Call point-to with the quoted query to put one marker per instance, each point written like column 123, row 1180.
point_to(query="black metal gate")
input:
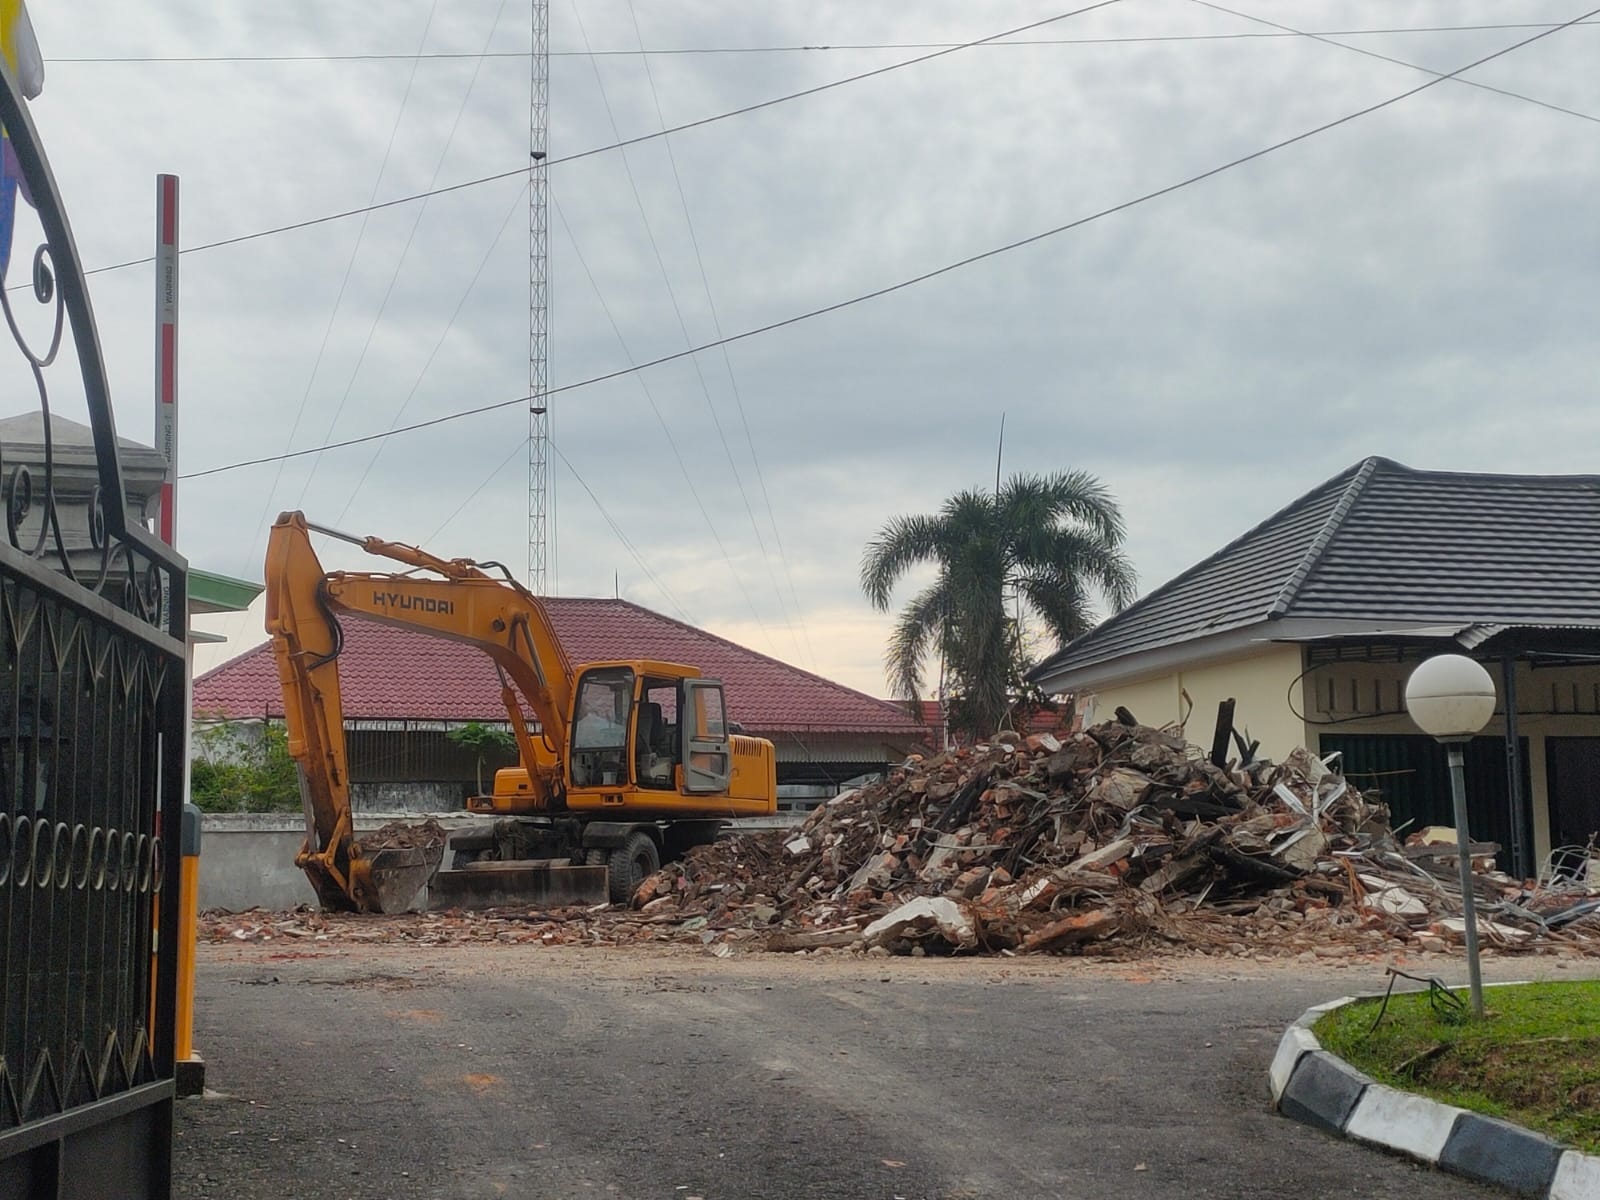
column 92, row 683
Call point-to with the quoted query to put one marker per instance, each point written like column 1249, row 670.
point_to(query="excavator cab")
column 648, row 726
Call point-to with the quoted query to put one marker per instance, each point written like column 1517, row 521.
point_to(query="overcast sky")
column 1419, row 283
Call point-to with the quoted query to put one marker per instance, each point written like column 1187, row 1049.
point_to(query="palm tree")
column 1053, row 541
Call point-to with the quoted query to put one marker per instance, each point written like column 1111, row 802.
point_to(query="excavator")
column 624, row 764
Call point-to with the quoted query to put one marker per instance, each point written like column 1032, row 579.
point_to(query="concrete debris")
column 925, row 914
column 1120, row 840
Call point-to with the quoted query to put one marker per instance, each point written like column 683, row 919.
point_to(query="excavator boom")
column 672, row 776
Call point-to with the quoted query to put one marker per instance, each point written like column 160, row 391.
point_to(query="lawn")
column 1533, row 1059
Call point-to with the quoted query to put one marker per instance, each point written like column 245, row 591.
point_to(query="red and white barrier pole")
column 167, row 349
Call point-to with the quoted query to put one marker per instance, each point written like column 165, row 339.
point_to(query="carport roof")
column 389, row 673
column 1380, row 542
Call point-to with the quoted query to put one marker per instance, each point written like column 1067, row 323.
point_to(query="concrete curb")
column 1315, row 1087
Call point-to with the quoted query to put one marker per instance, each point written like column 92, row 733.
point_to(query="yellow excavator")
column 623, row 763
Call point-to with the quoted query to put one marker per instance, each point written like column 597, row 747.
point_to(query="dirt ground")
column 519, row 1070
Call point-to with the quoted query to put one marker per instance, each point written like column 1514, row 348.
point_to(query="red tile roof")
column 387, row 673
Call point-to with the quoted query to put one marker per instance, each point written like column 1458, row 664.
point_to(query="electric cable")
column 622, row 537
column 809, row 47
column 683, row 325
column 913, row 281
column 595, row 150
column 733, row 382
column 666, row 429
column 399, row 266
column 338, row 300
column 455, row 315
column 1327, row 40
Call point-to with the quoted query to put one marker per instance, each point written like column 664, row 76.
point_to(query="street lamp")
column 1451, row 697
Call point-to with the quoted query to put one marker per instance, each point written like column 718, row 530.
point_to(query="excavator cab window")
column 600, row 728
column 655, row 753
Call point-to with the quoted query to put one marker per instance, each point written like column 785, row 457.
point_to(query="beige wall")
column 1259, row 682
column 1369, row 698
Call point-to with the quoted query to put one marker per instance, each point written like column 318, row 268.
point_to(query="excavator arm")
column 457, row 600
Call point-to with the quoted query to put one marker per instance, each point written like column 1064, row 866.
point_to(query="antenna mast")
column 538, row 301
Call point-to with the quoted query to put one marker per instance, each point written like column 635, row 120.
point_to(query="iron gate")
column 92, row 680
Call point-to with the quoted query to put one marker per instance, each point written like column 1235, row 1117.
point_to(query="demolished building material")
column 1122, row 839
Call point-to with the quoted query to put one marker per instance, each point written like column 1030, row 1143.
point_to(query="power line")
column 590, row 153
column 727, row 364
column 683, row 327
column 1327, row 40
column 622, row 537
column 957, row 265
column 801, row 48
column 394, row 278
column 338, row 300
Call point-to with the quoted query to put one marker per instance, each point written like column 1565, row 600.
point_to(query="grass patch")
column 1533, row 1059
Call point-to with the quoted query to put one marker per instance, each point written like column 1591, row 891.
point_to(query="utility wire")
column 627, row 544
column 957, row 265
column 666, row 429
column 727, row 364
column 394, row 276
column 338, row 300
column 820, row 47
column 455, row 315
column 433, row 537
column 622, row 537
column 683, row 327
column 592, row 151
column 1327, row 40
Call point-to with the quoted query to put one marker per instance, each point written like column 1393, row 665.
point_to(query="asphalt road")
column 392, row 1073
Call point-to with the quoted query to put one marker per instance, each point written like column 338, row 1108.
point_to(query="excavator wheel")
column 630, row 864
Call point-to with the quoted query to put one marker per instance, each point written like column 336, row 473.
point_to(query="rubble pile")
column 1122, row 840
column 404, row 835
column 1124, row 834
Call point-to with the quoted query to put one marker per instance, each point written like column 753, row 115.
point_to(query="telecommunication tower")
column 538, row 302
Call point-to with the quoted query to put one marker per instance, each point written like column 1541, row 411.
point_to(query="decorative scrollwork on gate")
column 92, row 721
column 53, row 501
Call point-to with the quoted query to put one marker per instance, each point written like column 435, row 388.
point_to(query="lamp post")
column 1451, row 698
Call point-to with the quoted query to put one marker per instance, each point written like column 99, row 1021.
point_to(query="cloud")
column 1417, row 283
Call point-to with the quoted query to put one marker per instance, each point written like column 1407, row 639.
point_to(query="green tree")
column 1046, row 545
column 238, row 767
column 483, row 740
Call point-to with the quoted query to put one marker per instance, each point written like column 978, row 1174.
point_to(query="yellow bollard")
column 189, row 1067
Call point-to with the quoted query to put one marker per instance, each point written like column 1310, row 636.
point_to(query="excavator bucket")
column 395, row 876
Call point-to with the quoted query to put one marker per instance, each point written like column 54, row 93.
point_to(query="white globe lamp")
column 1451, row 697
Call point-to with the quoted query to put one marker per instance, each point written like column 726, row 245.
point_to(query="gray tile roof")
column 1383, row 542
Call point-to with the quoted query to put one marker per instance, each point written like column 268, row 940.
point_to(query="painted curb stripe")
column 1577, row 1178
column 1400, row 1121
column 1296, row 1041
column 1316, row 1086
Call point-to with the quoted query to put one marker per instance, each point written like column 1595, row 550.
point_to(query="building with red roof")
column 403, row 691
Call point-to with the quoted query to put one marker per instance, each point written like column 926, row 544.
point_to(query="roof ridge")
column 1319, row 544
column 1117, row 620
column 729, row 642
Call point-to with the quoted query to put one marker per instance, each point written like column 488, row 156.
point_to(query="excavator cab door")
column 706, row 748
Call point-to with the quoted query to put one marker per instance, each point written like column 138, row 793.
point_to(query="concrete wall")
column 411, row 797
column 247, row 859
column 1259, row 682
